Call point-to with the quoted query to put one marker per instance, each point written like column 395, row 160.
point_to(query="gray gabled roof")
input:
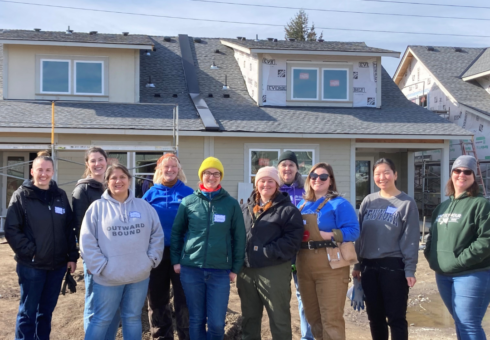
column 448, row 66
column 397, row 117
column 75, row 37
column 337, row 46
column 482, row 64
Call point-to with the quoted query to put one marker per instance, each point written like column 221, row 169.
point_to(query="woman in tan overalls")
column 329, row 221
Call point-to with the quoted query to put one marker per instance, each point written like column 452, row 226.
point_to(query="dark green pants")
column 268, row 287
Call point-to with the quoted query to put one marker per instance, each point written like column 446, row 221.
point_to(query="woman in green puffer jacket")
column 208, row 249
column 458, row 250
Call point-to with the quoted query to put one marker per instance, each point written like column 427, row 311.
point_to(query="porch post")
column 444, row 169
column 411, row 174
column 352, row 197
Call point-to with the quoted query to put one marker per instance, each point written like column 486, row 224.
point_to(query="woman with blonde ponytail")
column 274, row 230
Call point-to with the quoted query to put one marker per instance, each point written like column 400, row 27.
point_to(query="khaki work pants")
column 323, row 291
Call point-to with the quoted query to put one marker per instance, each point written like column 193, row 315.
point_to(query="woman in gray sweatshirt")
column 388, row 252
column 121, row 240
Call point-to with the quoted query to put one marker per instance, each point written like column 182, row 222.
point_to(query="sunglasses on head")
column 323, row 177
column 466, row 172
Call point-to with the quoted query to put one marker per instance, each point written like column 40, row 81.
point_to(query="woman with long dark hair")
column 458, row 250
column 39, row 229
column 89, row 189
column 388, row 253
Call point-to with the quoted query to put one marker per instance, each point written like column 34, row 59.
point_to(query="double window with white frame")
column 82, row 76
column 327, row 83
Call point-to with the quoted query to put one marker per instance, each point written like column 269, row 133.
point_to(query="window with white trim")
column 304, row 83
column 335, row 83
column 89, row 77
column 260, row 158
column 55, row 76
column 71, row 76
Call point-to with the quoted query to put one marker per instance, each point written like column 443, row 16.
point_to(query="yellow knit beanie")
column 211, row 162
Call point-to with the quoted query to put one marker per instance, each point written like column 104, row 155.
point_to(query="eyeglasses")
column 323, row 177
column 212, row 174
column 466, row 172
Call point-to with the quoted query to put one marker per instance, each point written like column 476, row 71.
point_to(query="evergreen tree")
column 299, row 29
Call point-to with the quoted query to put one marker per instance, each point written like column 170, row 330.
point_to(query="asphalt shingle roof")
column 448, row 67
column 398, row 116
column 338, row 46
column 79, row 37
column 482, row 64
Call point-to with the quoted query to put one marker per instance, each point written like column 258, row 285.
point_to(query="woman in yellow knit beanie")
column 208, row 249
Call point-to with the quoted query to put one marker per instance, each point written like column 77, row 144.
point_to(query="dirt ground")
column 427, row 316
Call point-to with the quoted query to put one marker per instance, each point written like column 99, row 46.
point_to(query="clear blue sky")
column 20, row 16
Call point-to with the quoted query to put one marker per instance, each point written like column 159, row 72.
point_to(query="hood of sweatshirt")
column 123, row 207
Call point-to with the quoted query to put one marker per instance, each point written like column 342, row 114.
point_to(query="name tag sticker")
column 256, row 248
column 134, row 214
column 219, row 218
column 59, row 210
column 390, row 210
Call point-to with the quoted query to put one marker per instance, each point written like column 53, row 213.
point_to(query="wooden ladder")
column 472, row 152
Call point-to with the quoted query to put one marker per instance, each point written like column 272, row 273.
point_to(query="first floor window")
column 89, row 77
column 145, row 164
column 55, row 76
column 363, row 180
column 260, row 158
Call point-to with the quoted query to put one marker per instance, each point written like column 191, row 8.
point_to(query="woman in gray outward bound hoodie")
column 121, row 240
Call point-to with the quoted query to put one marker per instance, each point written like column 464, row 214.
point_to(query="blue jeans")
column 206, row 293
column 129, row 299
column 88, row 312
column 39, row 291
column 467, row 298
column 305, row 326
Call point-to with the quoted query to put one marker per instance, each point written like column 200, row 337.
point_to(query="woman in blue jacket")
column 165, row 196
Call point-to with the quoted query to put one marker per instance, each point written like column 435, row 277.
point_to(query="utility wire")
column 242, row 22
column 426, row 4
column 340, row 11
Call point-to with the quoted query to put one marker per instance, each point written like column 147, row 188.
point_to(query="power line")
column 340, row 11
column 242, row 22
column 426, row 4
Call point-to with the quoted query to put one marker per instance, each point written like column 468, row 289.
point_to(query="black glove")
column 70, row 282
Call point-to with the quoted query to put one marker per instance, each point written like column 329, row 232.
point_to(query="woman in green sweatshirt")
column 458, row 250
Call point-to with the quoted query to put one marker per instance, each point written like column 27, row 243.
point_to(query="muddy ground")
column 427, row 316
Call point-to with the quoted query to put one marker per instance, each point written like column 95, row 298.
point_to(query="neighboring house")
column 454, row 82
column 327, row 101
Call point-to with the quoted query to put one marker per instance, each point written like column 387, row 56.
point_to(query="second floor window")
column 72, row 77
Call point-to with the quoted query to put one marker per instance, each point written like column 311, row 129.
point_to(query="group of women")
column 200, row 241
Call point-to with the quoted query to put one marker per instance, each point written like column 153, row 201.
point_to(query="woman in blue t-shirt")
column 323, row 289
column 165, row 196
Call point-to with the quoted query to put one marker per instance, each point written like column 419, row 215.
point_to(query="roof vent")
column 270, row 39
column 430, row 48
column 275, row 40
column 93, row 32
column 175, row 95
column 213, row 66
column 125, row 34
column 321, row 40
column 239, row 38
column 243, row 38
column 226, row 95
column 69, row 31
column 157, row 95
column 226, row 87
column 37, row 29
column 458, row 49
column 216, row 51
column 257, row 37
column 198, row 40
column 149, row 84
column 292, row 39
column 167, row 39
column 210, row 95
